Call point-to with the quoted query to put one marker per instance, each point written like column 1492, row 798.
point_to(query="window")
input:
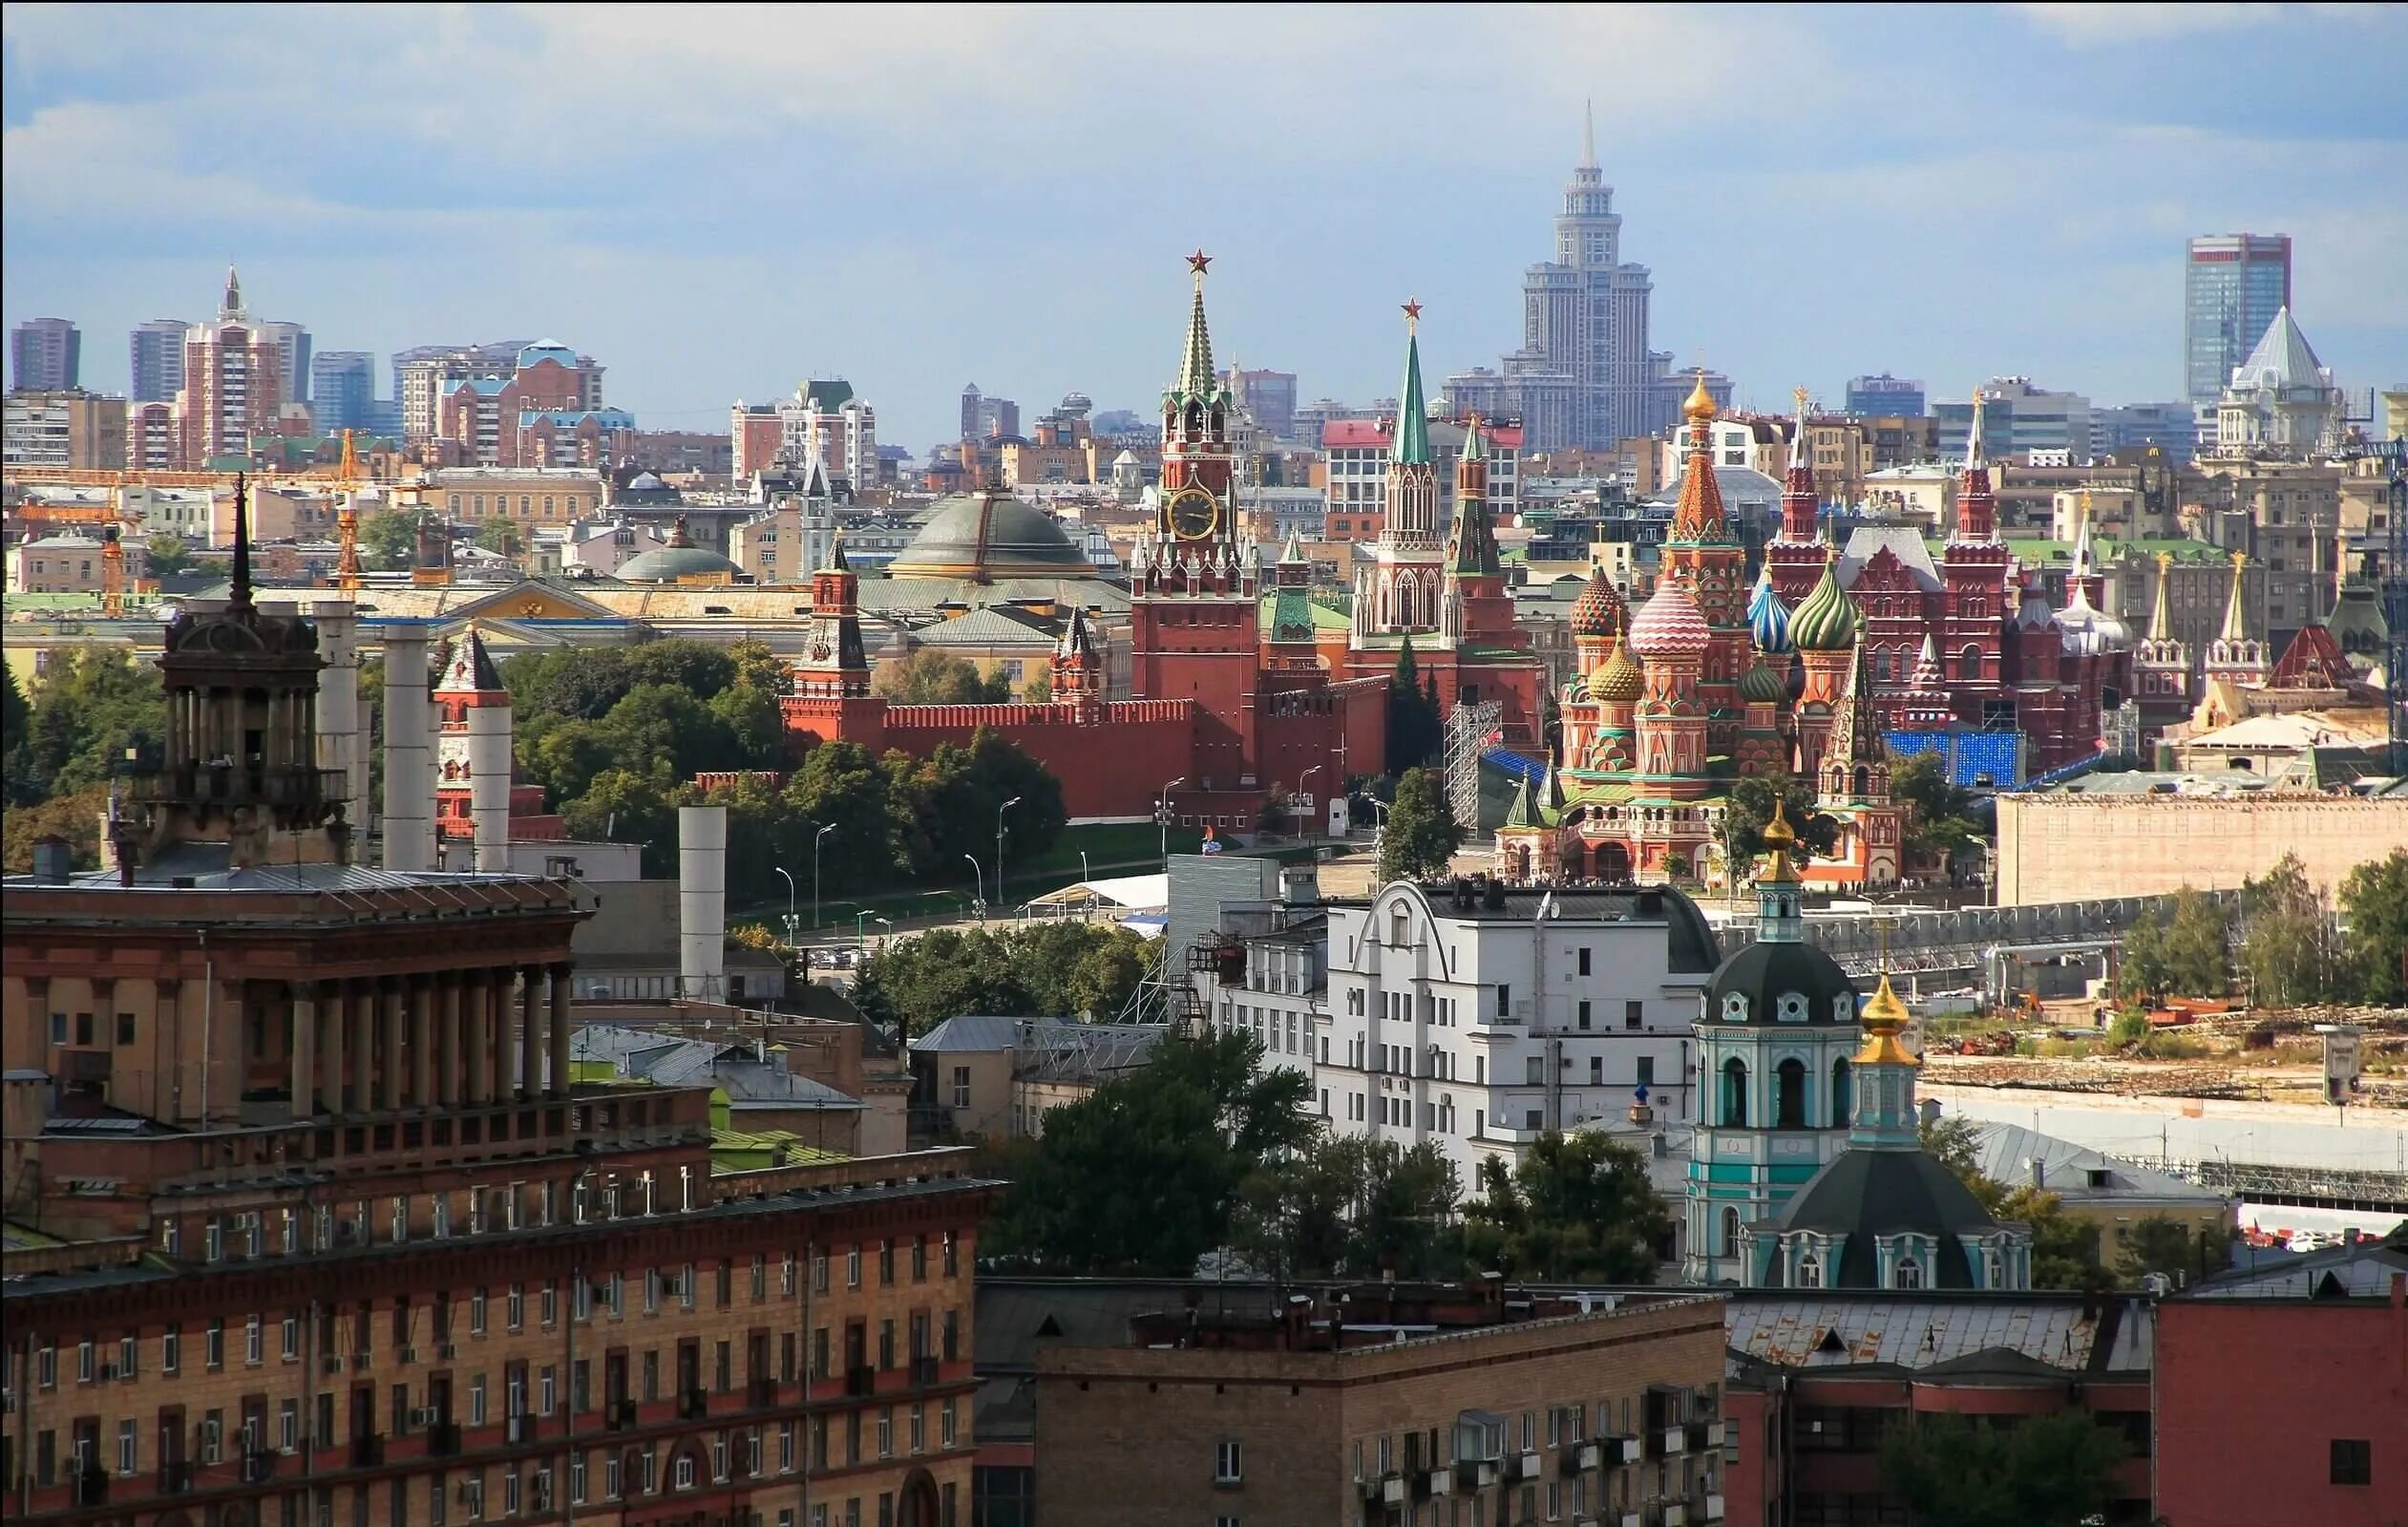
column 1909, row 1273
column 289, row 1344
column 1504, row 1001
column 1646, row 1070
column 852, row 1266
column 1584, row 962
column 1583, row 1008
column 252, row 1346
column 171, row 1347
column 961, row 1087
column 1810, row 1271
column 1228, row 1463
column 1843, row 1093
column 2353, row 1461
column 945, row 1425
column 1735, row 1092
column 1789, row 1096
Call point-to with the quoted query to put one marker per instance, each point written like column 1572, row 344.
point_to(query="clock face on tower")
column 1195, row 513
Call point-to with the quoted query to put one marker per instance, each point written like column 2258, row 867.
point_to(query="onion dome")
column 1701, row 404
column 1600, row 609
column 2087, row 630
column 1669, row 624
column 1883, row 1016
column 1767, row 617
column 1620, row 678
column 1760, row 685
column 1826, row 621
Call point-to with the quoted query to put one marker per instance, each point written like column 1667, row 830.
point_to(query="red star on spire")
column 1413, row 309
column 1198, row 261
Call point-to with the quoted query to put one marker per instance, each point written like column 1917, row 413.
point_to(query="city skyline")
column 1041, row 271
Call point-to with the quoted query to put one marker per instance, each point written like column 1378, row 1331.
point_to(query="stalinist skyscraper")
column 1584, row 315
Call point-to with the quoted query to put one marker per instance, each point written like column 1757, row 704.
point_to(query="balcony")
column 443, row 1439
column 761, row 1394
column 259, row 1466
column 859, row 1380
column 1705, row 1436
column 1522, row 1466
column 923, row 1372
column 692, row 1405
column 367, row 1452
column 1711, row 1513
column 248, row 784
column 1676, row 1514
column 174, row 1476
column 619, row 1415
column 1668, row 1442
column 90, row 1487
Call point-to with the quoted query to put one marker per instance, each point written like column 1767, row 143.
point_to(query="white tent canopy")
column 1128, row 893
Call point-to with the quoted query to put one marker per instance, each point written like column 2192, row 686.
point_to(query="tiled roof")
column 1920, row 1330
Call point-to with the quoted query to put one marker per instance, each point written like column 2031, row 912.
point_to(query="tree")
column 2168, row 1246
column 1422, row 835
column 74, row 818
column 624, row 807
column 389, row 539
column 928, row 675
column 2374, row 909
column 1574, row 1208
column 2197, row 943
column 1751, row 807
column 2286, row 949
column 2045, row 1470
column 1941, row 810
column 502, row 536
column 1141, row 1177
column 1038, row 687
column 1414, row 731
column 2064, row 1247
column 167, row 554
column 88, row 708
column 1350, row 1206
column 1054, row 969
column 2147, row 970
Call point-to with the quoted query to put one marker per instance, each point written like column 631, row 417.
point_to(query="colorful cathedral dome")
column 1760, row 685
column 1600, row 609
column 1826, row 621
column 1669, row 624
column 1620, row 678
column 1767, row 617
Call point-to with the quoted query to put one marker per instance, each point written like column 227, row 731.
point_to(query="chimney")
column 409, row 817
column 2039, row 1171
column 489, row 773
column 340, row 743
column 52, row 860
column 701, row 901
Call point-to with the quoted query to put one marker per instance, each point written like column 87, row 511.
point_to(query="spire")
column 1076, row 640
column 1474, row 551
column 2237, row 607
column 2085, row 561
column 1800, row 510
column 1589, row 135
column 1779, row 918
column 231, row 307
column 1976, row 518
column 1699, row 514
column 1293, row 553
column 2162, row 615
column 1524, row 811
column 1801, row 457
column 1974, row 461
column 836, row 560
column 1196, row 366
column 1411, row 445
column 240, row 598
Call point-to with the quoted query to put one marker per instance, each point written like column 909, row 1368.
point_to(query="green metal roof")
column 1412, row 416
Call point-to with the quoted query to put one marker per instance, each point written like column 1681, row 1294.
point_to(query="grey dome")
column 1764, row 972
column 667, row 564
column 1865, row 1193
column 989, row 534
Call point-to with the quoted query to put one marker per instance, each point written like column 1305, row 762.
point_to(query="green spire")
column 1412, row 446
column 1475, row 446
column 1524, row 812
column 1195, row 368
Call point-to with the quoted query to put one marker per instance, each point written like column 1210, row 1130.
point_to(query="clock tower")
column 1194, row 614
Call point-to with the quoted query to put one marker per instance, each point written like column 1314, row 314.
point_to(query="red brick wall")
column 2251, row 1394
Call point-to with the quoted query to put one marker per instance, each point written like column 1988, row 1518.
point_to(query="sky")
column 718, row 201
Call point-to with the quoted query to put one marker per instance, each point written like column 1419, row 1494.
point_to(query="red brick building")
column 2283, row 1397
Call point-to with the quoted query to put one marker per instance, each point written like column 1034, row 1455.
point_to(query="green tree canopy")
column 1141, row 1177
column 928, row 675
column 389, row 539
column 167, row 554
column 2287, row 946
column 1574, row 1208
column 2178, row 949
column 505, row 537
column 2043, row 1471
column 1420, row 834
column 1054, row 970
column 2064, row 1247
column 2374, row 907
column 1751, row 808
column 1414, row 730
column 90, row 706
column 2161, row 1245
column 1350, row 1206
column 1942, row 812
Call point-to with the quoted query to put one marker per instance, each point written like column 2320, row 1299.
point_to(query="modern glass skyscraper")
column 157, row 349
column 2236, row 283
column 342, row 388
column 1884, row 398
column 45, row 355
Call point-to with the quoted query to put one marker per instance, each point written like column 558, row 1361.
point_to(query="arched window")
column 1843, row 1093
column 1909, row 1273
column 1863, row 780
column 1790, row 1108
column 1735, row 1092
column 1809, row 1270
column 1969, row 663
column 1194, row 420
column 1730, row 1231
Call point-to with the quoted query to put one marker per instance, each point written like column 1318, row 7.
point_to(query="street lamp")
column 999, row 846
column 814, row 871
column 1301, row 820
column 978, row 879
column 790, row 901
column 1379, row 821
column 1162, row 809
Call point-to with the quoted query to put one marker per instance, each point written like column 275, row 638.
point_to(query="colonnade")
column 459, row 1038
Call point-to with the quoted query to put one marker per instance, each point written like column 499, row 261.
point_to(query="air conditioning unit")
column 108, row 1372
column 1676, row 1514
column 448, row 1352
column 1442, row 1481
column 1713, row 1510
column 333, row 1363
column 423, row 1415
column 409, row 1357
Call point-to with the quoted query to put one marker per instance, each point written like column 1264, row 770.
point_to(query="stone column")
column 397, row 995
column 559, row 1073
column 423, row 996
column 447, row 1060
column 362, row 996
column 477, row 1034
column 529, row 1030
column 331, row 1070
column 502, row 1010
column 305, row 1052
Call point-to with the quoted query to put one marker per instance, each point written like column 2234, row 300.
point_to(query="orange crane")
column 346, row 519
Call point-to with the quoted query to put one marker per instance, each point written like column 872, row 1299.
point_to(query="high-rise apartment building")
column 68, row 428
column 1885, row 397
column 1268, row 397
column 1584, row 313
column 44, row 354
column 342, row 389
column 157, row 351
column 292, row 359
column 2017, row 421
column 2235, row 284
column 983, row 418
column 423, row 375
column 233, row 381
column 821, row 421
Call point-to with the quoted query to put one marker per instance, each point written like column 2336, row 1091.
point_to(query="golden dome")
column 1883, row 1017
column 1700, row 405
column 1778, row 834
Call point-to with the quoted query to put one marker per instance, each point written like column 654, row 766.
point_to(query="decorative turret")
column 1621, row 679
column 1768, row 617
column 1924, row 705
column 836, row 665
column 1412, row 486
column 1780, row 917
column 2238, row 654
column 1977, row 511
column 1077, row 673
column 1699, row 515
column 1474, row 606
column 1599, row 613
column 1885, row 1071
column 1672, row 638
column 1855, row 765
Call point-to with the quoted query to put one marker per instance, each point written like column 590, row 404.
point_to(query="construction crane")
column 111, row 570
column 346, row 519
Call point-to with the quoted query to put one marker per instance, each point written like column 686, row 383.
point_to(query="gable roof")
column 1902, row 541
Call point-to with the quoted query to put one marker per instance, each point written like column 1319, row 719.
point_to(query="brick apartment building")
column 311, row 1224
column 1388, row 1405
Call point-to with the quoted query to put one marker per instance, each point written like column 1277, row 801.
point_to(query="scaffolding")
column 1470, row 730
